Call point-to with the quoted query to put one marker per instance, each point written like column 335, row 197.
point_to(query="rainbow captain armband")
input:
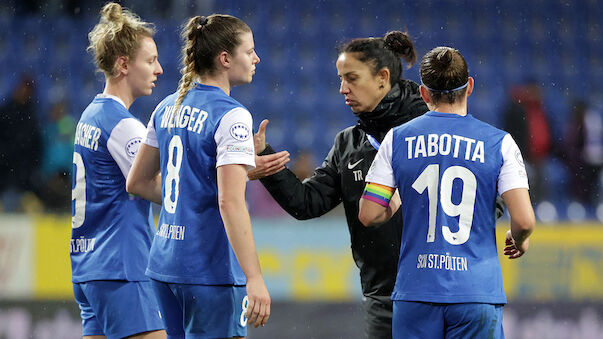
column 379, row 194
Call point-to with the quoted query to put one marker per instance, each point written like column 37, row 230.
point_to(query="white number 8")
column 464, row 210
column 244, row 306
column 173, row 174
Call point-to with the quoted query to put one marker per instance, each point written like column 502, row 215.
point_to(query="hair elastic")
column 445, row 90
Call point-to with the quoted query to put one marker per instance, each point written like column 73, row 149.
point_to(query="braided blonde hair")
column 204, row 38
column 116, row 34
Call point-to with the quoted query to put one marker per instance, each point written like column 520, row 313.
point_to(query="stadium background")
column 556, row 291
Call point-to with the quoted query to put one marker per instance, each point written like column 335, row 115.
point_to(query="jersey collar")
column 110, row 96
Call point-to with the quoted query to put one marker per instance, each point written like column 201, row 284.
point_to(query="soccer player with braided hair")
column 111, row 231
column 194, row 162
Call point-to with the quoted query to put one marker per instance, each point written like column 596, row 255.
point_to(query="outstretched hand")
column 259, row 139
column 266, row 165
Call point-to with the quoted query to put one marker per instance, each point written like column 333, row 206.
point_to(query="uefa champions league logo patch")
column 240, row 131
column 132, row 146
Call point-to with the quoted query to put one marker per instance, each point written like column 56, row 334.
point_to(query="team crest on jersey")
column 240, row 131
column 132, row 146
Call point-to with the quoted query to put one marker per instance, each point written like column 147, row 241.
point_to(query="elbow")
column 365, row 219
column 131, row 186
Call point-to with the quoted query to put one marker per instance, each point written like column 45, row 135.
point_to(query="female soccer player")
column 111, row 231
column 194, row 162
column 449, row 168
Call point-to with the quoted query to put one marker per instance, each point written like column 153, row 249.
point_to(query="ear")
column 425, row 94
column 122, row 65
column 470, row 86
column 384, row 75
column 224, row 59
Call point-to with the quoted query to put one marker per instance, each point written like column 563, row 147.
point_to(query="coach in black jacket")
column 370, row 72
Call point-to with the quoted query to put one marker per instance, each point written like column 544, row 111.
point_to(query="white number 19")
column 429, row 179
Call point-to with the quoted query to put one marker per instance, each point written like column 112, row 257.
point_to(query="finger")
column 262, row 128
column 267, row 314
column 262, row 312
column 249, row 315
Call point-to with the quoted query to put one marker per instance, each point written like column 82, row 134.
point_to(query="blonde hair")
column 117, row 34
column 203, row 39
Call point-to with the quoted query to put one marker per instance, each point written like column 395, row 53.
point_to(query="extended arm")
column 522, row 222
column 314, row 197
column 231, row 200
column 144, row 178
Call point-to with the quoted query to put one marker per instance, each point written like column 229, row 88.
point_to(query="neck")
column 119, row 88
column 460, row 109
column 221, row 81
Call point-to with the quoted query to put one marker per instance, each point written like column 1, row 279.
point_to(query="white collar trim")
column 103, row 95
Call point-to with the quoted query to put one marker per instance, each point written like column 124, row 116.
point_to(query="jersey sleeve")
column 151, row 135
column 124, row 142
column 512, row 172
column 381, row 171
column 234, row 139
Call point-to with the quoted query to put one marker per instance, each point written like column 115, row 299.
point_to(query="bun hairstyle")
column 204, row 38
column 444, row 73
column 117, row 34
column 384, row 52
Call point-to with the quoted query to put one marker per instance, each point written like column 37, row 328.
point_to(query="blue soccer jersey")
column 212, row 129
column 448, row 170
column 111, row 231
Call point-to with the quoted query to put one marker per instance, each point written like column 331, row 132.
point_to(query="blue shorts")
column 434, row 320
column 202, row 311
column 117, row 308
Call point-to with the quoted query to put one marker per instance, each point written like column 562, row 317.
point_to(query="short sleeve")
column 381, row 171
column 124, row 142
column 234, row 139
column 513, row 172
column 151, row 135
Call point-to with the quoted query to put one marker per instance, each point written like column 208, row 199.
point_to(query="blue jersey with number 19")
column 111, row 231
column 448, row 169
column 211, row 129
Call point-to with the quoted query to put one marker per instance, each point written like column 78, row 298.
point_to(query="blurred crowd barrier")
column 555, row 291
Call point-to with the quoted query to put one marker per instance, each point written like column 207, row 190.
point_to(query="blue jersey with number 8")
column 211, row 129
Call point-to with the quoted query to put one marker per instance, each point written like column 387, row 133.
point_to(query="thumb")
column 262, row 128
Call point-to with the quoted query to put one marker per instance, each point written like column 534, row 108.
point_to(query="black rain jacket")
column 341, row 178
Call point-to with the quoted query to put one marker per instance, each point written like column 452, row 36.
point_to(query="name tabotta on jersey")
column 418, row 146
column 442, row 262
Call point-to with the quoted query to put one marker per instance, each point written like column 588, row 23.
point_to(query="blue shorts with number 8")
column 202, row 311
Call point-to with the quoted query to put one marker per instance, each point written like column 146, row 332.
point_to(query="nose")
column 257, row 58
column 158, row 69
column 343, row 88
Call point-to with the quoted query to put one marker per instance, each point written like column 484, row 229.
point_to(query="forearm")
column 144, row 178
column 519, row 233
column 312, row 198
column 238, row 229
